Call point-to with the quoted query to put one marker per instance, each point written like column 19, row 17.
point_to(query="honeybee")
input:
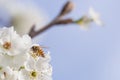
column 38, row 51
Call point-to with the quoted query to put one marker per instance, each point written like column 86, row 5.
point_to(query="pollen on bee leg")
column 7, row 45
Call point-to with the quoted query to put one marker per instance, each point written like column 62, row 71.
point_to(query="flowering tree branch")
column 83, row 21
column 67, row 8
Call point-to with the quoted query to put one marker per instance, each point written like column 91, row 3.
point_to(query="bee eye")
column 34, row 48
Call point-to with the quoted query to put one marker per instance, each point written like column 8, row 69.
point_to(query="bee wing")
column 44, row 46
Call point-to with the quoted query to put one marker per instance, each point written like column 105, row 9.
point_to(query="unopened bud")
column 68, row 7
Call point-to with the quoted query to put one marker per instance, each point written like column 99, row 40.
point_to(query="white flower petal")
column 95, row 16
column 8, row 74
column 14, row 62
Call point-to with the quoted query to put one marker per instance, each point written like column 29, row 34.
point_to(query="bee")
column 38, row 51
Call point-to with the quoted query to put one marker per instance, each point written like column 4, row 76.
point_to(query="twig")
column 67, row 8
column 66, row 21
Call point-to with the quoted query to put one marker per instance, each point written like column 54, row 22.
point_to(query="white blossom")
column 37, row 69
column 95, row 16
column 86, row 20
column 11, row 43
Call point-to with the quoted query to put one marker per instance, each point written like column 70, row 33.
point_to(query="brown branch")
column 34, row 33
column 65, row 21
column 67, row 8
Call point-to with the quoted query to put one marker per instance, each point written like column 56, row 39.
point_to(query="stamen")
column 5, row 74
column 33, row 74
column 7, row 45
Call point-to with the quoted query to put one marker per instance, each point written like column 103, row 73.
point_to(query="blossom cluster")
column 22, row 60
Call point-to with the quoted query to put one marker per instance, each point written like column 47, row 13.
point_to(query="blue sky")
column 84, row 55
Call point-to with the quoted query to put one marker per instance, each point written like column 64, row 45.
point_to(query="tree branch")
column 67, row 8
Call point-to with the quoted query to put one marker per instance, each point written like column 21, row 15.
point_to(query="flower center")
column 7, row 45
column 34, row 74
